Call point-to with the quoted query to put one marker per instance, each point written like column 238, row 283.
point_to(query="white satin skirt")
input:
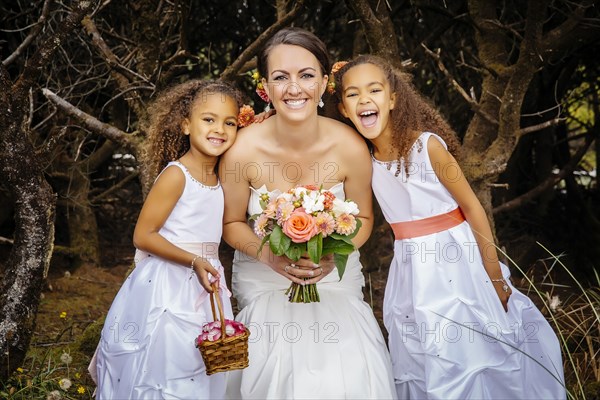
column 147, row 348
column 333, row 349
column 449, row 335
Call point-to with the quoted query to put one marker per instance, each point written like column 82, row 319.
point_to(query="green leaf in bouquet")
column 278, row 241
column 263, row 204
column 294, row 252
column 343, row 238
column 337, row 247
column 314, row 248
column 253, row 217
column 340, row 263
column 348, row 238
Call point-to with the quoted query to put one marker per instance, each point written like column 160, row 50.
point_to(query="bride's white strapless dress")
column 328, row 350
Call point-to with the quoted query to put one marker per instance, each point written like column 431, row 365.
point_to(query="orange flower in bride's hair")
column 260, row 89
column 246, row 116
column 262, row 93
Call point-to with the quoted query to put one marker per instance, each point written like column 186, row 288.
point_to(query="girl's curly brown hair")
column 166, row 141
column 411, row 112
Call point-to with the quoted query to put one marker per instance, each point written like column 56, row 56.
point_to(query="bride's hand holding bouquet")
column 307, row 222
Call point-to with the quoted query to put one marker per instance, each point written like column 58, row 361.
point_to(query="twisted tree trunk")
column 22, row 170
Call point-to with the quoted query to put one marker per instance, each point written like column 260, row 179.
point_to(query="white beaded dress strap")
column 191, row 177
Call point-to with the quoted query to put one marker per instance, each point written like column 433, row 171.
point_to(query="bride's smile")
column 294, row 82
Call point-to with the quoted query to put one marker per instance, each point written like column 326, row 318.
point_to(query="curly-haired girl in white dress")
column 457, row 327
column 147, row 346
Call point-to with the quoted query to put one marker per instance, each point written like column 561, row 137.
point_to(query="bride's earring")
column 321, row 104
column 268, row 107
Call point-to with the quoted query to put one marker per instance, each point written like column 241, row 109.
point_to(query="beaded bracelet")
column 194, row 260
column 503, row 281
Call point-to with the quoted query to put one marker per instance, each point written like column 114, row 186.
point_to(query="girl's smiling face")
column 367, row 100
column 294, row 81
column 212, row 126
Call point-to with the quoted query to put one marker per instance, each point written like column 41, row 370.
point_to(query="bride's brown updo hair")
column 295, row 37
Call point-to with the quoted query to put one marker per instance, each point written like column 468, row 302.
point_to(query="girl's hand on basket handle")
column 203, row 268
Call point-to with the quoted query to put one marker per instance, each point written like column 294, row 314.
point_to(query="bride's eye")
column 279, row 77
column 308, row 76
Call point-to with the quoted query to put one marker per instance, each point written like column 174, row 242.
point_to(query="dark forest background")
column 518, row 80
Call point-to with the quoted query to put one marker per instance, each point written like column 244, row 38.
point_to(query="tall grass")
column 574, row 312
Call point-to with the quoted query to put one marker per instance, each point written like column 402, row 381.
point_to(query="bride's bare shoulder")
column 253, row 134
column 340, row 132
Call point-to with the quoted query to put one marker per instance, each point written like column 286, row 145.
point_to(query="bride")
column 330, row 349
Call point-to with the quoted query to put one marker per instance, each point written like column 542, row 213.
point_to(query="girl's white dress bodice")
column 333, row 349
column 449, row 336
column 147, row 349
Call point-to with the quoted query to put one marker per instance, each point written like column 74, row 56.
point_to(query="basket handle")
column 213, row 295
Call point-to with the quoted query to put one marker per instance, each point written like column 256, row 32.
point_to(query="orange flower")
column 328, row 202
column 246, row 116
column 300, row 226
column 337, row 66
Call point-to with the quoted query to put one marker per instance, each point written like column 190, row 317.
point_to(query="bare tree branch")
column 548, row 183
column 539, row 127
column 251, row 50
column 281, row 7
column 472, row 102
column 560, row 40
column 4, row 240
column 379, row 29
column 106, row 130
column 34, row 32
column 123, row 76
column 116, row 187
column 42, row 57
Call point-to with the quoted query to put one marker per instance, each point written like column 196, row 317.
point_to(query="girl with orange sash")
column 457, row 327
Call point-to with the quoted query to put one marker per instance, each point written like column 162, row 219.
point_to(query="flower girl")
column 147, row 345
column 457, row 327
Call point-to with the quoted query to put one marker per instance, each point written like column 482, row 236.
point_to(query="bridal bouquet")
column 307, row 220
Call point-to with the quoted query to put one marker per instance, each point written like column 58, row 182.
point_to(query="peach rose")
column 300, row 226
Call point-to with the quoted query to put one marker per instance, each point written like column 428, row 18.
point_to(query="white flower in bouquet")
column 313, row 202
column 344, row 207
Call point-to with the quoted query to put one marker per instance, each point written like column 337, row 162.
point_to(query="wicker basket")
column 227, row 353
